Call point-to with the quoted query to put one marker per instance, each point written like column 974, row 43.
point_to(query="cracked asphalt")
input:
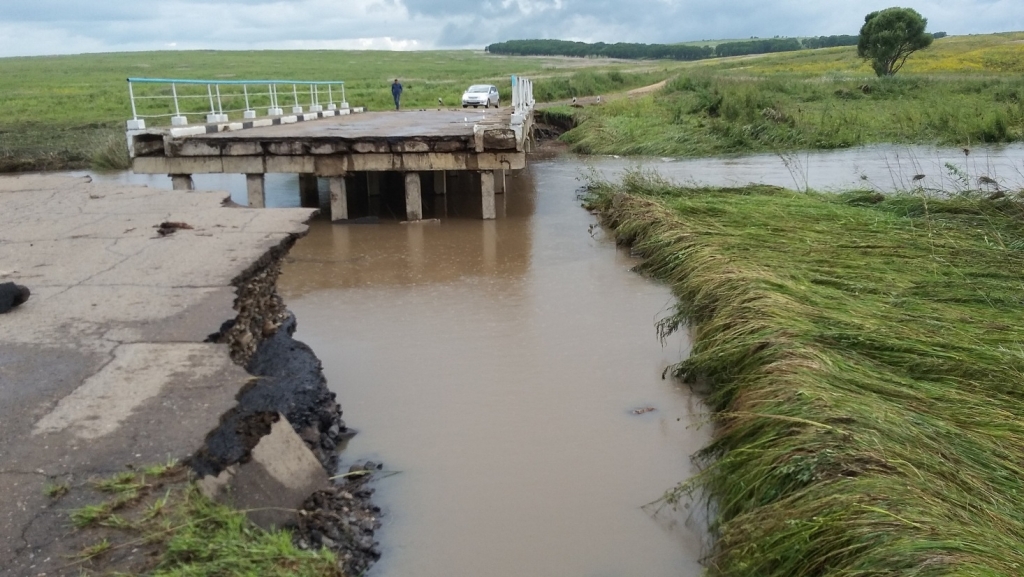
column 106, row 365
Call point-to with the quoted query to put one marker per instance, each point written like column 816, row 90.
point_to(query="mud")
column 12, row 295
column 343, row 519
column 288, row 379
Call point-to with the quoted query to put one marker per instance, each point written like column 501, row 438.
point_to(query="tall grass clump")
column 112, row 155
column 865, row 358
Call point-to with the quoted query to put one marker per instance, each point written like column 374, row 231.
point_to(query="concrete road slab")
column 105, row 365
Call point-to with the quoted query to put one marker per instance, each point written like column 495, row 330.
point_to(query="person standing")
column 396, row 91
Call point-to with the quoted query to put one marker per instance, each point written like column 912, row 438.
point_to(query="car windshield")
column 479, row 88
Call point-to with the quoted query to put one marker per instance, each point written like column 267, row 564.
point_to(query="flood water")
column 494, row 366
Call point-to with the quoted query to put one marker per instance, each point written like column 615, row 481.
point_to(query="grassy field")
column 864, row 356
column 962, row 91
column 59, row 110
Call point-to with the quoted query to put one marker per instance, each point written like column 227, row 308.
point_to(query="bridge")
column 361, row 153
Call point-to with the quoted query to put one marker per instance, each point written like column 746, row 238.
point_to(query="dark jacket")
column 396, row 89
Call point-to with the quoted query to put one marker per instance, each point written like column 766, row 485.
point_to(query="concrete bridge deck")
column 352, row 150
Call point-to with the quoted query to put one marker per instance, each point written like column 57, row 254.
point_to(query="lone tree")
column 890, row 36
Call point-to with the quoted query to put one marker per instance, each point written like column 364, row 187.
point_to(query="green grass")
column 185, row 533
column 865, row 359
column 963, row 91
column 60, row 110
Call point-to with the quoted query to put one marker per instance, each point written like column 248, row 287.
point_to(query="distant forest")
column 665, row 51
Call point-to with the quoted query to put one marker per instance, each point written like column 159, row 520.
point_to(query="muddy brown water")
column 495, row 366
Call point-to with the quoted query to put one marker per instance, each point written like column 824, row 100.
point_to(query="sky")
column 39, row 27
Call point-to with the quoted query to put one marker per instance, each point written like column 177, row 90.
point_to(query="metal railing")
column 522, row 95
column 177, row 99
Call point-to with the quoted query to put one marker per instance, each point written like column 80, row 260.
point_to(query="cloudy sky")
column 34, row 27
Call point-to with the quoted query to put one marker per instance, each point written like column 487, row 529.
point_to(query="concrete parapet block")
column 296, row 110
column 316, row 108
column 179, row 120
column 249, row 114
column 332, row 106
column 275, row 112
column 137, row 124
column 272, row 485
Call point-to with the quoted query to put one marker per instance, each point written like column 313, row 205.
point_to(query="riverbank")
column 963, row 91
column 154, row 334
column 862, row 357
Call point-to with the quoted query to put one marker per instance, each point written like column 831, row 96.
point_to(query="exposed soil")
column 343, row 519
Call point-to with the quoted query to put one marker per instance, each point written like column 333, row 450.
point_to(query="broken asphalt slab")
column 107, row 364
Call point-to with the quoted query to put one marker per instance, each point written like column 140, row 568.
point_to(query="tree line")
column 628, row 50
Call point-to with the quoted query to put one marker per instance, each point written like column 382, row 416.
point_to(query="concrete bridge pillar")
column 309, row 192
column 413, row 198
column 256, row 191
column 440, row 182
column 339, row 199
column 499, row 181
column 487, row 195
column 182, row 182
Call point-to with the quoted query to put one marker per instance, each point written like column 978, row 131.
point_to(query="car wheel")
column 464, row 106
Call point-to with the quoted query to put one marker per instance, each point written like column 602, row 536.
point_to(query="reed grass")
column 865, row 361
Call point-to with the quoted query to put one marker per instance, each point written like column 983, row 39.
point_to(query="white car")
column 480, row 95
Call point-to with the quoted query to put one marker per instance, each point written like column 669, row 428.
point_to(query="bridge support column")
column 413, row 198
column 309, row 192
column 339, row 199
column 256, row 190
column 440, row 182
column 499, row 181
column 182, row 182
column 487, row 195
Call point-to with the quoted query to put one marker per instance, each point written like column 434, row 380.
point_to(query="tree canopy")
column 890, row 36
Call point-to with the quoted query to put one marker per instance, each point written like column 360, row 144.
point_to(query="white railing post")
column 275, row 108
column 248, row 113
column 135, row 123
column 344, row 103
column 297, row 108
column 131, row 95
column 177, row 119
column 221, row 117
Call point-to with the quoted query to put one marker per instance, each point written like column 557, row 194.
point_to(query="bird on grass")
column 439, row 101
column 574, row 100
column 599, row 99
